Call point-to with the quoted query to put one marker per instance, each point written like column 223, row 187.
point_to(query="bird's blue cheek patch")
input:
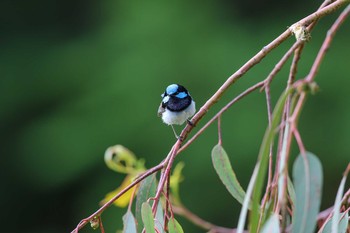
column 181, row 95
column 166, row 99
column 171, row 89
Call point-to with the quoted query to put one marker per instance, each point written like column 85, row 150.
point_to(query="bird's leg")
column 177, row 137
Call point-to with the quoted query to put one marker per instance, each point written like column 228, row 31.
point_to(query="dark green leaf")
column 308, row 178
column 224, row 169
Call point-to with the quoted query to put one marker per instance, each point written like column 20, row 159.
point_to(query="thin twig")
column 183, row 211
column 219, row 131
column 149, row 172
column 299, row 141
column 284, row 59
column 327, row 42
column 102, row 229
column 224, row 109
column 167, row 202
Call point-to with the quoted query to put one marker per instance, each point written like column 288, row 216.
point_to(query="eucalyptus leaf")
column 147, row 217
column 337, row 204
column 291, row 191
column 342, row 225
column 129, row 223
column 174, row 226
column 261, row 165
column 159, row 218
column 146, row 190
column 308, row 179
column 227, row 176
column 272, row 225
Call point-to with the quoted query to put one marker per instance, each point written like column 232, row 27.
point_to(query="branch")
column 149, row 172
column 167, row 163
column 184, row 212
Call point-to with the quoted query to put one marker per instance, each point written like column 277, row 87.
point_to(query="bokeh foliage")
column 79, row 76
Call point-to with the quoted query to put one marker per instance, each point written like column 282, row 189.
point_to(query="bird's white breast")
column 178, row 118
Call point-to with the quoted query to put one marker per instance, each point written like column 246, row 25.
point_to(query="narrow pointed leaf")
column 146, row 190
column 261, row 165
column 291, row 191
column 147, row 218
column 129, row 223
column 159, row 218
column 272, row 225
column 308, row 178
column 174, row 226
column 343, row 224
column 338, row 200
column 227, row 176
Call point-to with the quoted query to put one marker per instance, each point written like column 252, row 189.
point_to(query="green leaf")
column 174, row 226
column 282, row 168
column 227, row 176
column 342, row 225
column 120, row 159
column 272, row 225
column 338, row 201
column 261, row 166
column 147, row 217
column 291, row 191
column 245, row 206
column 175, row 181
column 308, row 178
column 159, row 218
column 129, row 223
column 147, row 189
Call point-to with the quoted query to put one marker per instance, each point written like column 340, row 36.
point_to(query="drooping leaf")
column 282, row 168
column 129, row 223
column 261, row 165
column 291, row 191
column 120, row 159
column 227, row 176
column 245, row 205
column 146, row 190
column 174, row 226
column 308, row 179
column 272, row 225
column 268, row 211
column 175, row 181
column 147, row 217
column 342, row 225
column 337, row 204
column 124, row 200
column 159, row 218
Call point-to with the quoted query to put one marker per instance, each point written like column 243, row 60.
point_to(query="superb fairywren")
column 177, row 106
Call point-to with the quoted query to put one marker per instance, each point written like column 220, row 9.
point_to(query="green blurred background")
column 79, row 76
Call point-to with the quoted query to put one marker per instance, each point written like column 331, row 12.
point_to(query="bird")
column 177, row 106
